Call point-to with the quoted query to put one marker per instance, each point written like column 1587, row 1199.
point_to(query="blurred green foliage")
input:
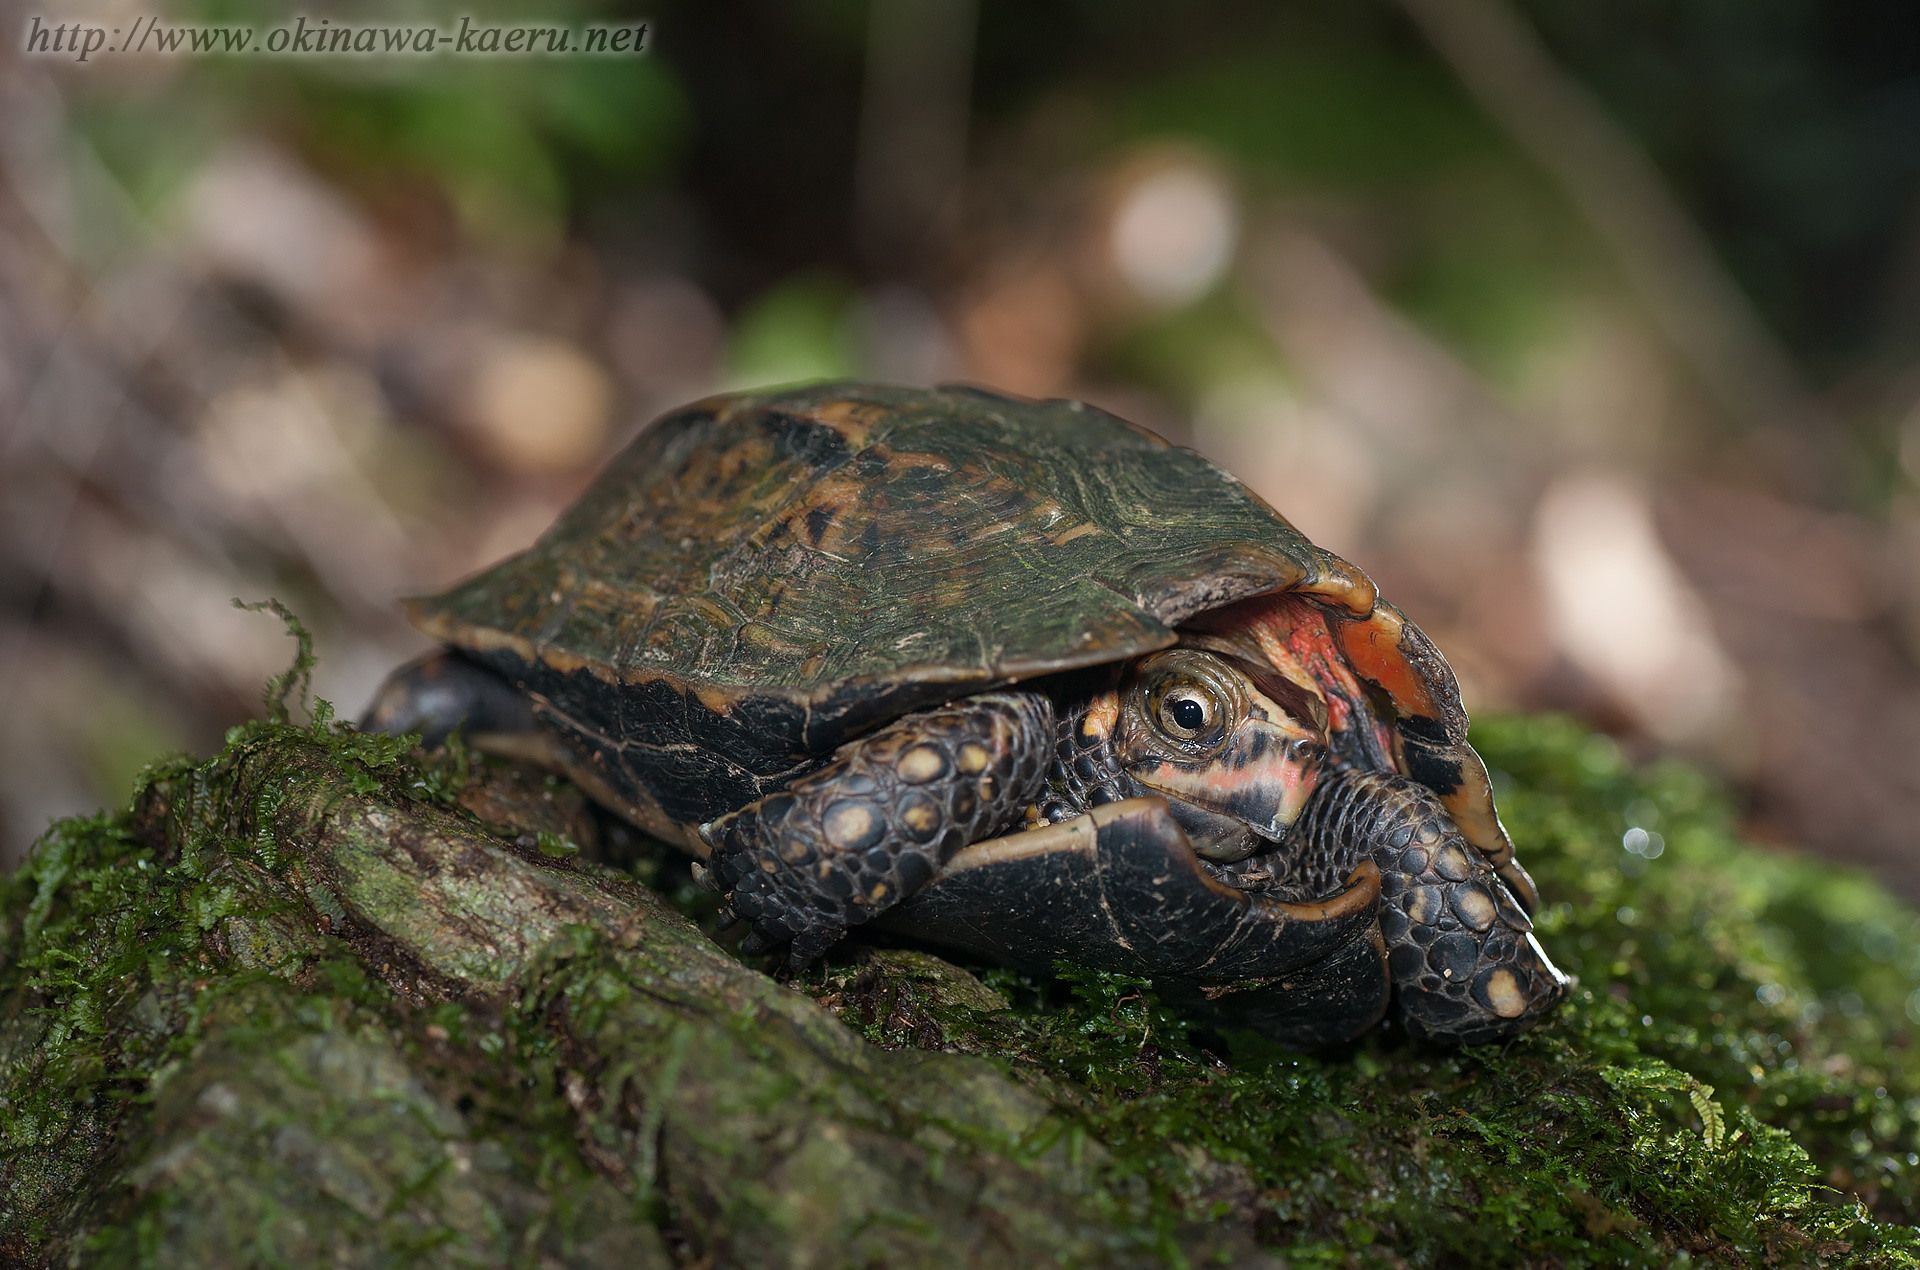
column 515, row 143
column 1376, row 142
column 796, row 330
column 1344, row 118
column 1791, row 130
column 1184, row 351
column 501, row 136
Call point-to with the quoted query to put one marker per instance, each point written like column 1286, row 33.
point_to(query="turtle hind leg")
column 1460, row 950
column 1327, row 1003
column 842, row 844
column 442, row 691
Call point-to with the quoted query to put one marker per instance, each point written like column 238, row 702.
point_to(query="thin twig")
column 1664, row 255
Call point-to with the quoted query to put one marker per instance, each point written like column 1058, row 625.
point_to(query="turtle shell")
column 758, row 578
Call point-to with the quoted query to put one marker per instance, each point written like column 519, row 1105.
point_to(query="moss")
column 297, row 1005
column 315, row 1000
column 1734, row 1081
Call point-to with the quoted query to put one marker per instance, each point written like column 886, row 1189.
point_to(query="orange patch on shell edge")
column 1373, row 650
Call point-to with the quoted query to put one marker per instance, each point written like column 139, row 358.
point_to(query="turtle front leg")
column 1461, row 952
column 842, row 844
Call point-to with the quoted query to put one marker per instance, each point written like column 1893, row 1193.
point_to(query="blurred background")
column 1591, row 332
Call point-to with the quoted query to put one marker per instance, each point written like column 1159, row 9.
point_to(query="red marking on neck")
column 1293, row 634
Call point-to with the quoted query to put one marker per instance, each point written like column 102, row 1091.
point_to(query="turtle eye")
column 1188, row 712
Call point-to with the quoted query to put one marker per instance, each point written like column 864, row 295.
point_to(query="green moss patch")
column 312, row 1002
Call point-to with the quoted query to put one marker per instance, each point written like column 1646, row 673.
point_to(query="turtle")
column 1010, row 676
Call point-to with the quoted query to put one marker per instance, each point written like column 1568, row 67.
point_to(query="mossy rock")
column 318, row 1001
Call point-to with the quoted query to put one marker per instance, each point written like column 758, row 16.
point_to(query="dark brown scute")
column 650, row 741
column 800, row 543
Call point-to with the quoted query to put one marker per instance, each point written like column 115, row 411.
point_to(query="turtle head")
column 1234, row 748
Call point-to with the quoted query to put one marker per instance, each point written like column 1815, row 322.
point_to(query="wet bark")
column 397, row 1032
column 310, row 1003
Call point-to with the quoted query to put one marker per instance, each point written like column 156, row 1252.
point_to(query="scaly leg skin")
column 1466, row 968
column 856, row 837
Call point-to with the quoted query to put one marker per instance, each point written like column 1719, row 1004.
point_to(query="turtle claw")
column 802, row 949
column 808, row 945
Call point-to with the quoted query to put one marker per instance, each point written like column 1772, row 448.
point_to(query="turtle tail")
column 1466, row 967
